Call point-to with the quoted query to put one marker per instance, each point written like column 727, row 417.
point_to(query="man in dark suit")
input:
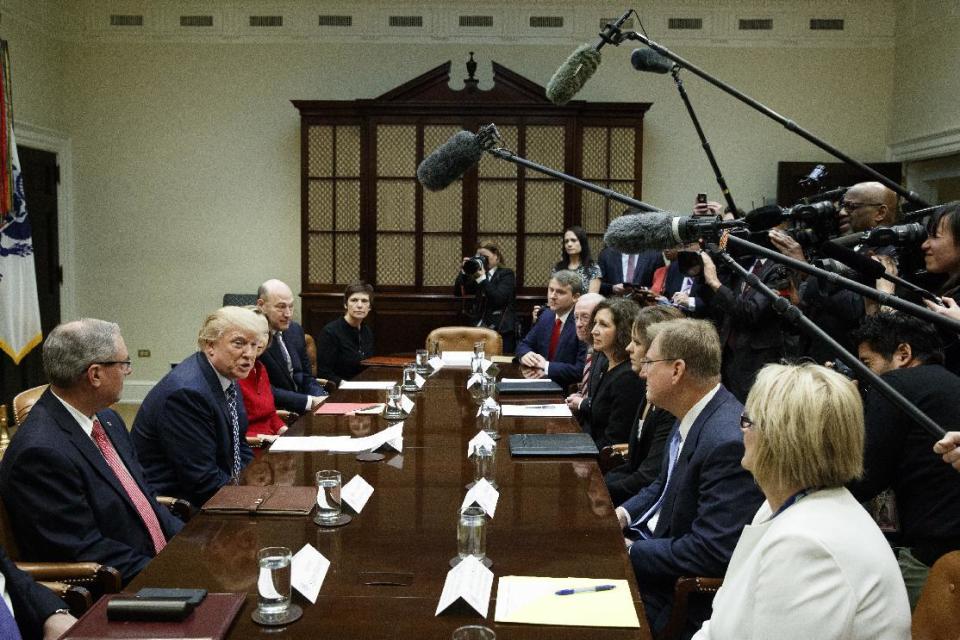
column 294, row 387
column 688, row 521
column 36, row 612
column 551, row 348
column 615, row 267
column 70, row 480
column 190, row 430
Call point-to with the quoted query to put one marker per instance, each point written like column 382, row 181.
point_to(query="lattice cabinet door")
column 608, row 159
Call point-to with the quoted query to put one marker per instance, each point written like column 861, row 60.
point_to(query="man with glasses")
column 190, row 431
column 687, row 522
column 70, row 480
column 288, row 367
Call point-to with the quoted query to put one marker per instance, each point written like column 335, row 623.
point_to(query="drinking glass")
column 421, row 362
column 273, row 581
column 474, row 632
column 479, row 349
column 484, row 464
column 490, row 419
column 472, row 533
column 328, row 496
column 410, row 378
column 393, row 410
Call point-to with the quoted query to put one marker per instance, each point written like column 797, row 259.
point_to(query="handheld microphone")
column 448, row 162
column 582, row 64
column 649, row 60
column 661, row 230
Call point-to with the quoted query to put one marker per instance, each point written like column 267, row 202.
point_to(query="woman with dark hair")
column 941, row 252
column 575, row 256
column 615, row 390
column 346, row 341
column 493, row 286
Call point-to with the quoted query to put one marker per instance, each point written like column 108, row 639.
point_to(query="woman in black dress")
column 346, row 341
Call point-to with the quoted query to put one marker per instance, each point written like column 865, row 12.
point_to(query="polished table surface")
column 554, row 518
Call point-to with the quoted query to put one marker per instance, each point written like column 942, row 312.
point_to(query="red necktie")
column 554, row 339
column 585, row 382
column 130, row 485
column 659, row 280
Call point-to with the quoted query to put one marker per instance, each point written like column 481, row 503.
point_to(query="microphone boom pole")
column 790, row 125
column 786, row 309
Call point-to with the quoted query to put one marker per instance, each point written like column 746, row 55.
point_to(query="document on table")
column 533, row 600
column 470, row 581
column 366, row 384
column 356, row 493
column 392, row 436
column 457, row 358
column 308, row 568
column 536, row 410
column 484, row 495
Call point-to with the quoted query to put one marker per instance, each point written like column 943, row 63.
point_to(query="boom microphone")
column 661, row 230
column 449, row 161
column 649, row 60
column 581, row 65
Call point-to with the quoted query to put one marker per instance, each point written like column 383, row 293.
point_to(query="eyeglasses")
column 853, row 206
column 644, row 361
column 745, row 421
column 125, row 365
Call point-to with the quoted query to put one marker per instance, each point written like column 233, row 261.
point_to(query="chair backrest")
column 239, row 299
column 24, row 401
column 937, row 615
column 462, row 339
column 311, row 353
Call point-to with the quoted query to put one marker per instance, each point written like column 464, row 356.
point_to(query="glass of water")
column 410, row 378
column 479, row 349
column 472, row 534
column 328, row 496
column 273, row 581
column 484, row 464
column 393, row 410
column 490, row 418
column 474, row 632
column 422, row 361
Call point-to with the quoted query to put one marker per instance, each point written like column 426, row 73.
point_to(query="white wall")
column 186, row 155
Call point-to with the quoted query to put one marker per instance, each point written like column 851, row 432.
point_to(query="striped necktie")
column 235, row 423
column 585, row 382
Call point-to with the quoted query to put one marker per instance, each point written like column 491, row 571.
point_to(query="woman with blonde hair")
column 813, row 563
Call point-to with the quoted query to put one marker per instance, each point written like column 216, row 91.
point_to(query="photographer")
column 494, row 289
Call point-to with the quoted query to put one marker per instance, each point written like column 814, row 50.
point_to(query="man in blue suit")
column 70, row 480
column 616, row 279
column 294, row 387
column 36, row 612
column 190, row 432
column 688, row 521
column 551, row 348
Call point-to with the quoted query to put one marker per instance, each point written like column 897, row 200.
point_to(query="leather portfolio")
column 274, row 500
column 387, row 361
column 536, row 388
column 210, row 619
column 552, row 444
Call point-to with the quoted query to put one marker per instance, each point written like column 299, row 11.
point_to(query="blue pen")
column 599, row 587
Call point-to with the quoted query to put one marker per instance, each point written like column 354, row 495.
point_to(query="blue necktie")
column 235, row 420
column 286, row 354
column 8, row 626
column 640, row 524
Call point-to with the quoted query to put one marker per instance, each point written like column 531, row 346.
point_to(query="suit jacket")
column 644, row 457
column 32, row 603
column 290, row 392
column 611, row 264
column 184, row 435
column 567, row 364
column 708, row 501
column 614, row 397
column 834, row 570
column 495, row 297
column 65, row 502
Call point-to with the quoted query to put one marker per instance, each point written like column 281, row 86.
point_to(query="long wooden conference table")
column 554, row 518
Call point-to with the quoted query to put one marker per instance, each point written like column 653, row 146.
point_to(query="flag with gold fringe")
column 19, row 307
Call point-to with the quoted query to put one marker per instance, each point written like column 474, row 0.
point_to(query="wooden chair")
column 329, row 385
column 684, row 588
column 24, row 401
column 937, row 615
column 462, row 339
column 76, row 582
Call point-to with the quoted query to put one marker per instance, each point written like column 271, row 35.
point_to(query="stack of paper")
column 537, row 410
column 391, row 436
column 532, row 600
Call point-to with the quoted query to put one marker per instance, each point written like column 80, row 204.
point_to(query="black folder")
column 529, row 388
column 552, row 444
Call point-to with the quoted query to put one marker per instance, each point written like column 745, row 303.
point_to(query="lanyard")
column 792, row 500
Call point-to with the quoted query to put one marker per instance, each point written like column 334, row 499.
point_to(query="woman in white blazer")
column 813, row 564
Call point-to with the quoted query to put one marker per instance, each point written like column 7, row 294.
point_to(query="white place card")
column 436, row 363
column 308, row 568
column 484, row 495
column 368, row 385
column 469, row 581
column 476, row 378
column 537, row 411
column 489, row 403
column 406, row 404
column 356, row 493
column 396, row 461
column 480, row 440
column 396, row 444
column 457, row 358
column 486, row 364
column 420, row 380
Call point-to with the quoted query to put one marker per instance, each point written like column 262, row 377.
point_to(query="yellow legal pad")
column 533, row 600
column 501, row 359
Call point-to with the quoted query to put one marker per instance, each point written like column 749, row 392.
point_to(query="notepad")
column 533, row 600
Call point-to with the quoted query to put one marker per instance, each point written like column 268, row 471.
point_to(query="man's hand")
column 623, row 518
column 618, row 289
column 316, row 401
column 709, row 271
column 532, row 373
column 57, row 625
column 573, row 401
column 682, row 299
column 533, row 360
column 786, row 245
column 949, row 448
